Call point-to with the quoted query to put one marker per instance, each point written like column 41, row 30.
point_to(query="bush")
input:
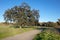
column 47, row 35
column 49, row 24
column 15, row 26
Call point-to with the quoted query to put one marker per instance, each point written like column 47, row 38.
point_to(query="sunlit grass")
column 6, row 31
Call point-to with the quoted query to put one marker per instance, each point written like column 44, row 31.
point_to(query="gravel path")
column 24, row 36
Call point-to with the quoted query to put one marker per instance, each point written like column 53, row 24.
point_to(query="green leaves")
column 47, row 35
column 22, row 15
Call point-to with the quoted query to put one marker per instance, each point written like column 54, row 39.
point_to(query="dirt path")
column 24, row 36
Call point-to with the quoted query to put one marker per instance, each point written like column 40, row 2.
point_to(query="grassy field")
column 6, row 30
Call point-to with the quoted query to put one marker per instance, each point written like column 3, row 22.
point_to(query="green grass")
column 47, row 35
column 6, row 31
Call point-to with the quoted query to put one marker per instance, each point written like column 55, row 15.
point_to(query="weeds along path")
column 24, row 36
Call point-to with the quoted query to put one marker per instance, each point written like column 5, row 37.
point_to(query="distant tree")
column 22, row 15
column 58, row 22
column 44, row 24
column 51, row 24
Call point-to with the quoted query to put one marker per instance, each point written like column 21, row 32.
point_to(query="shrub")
column 47, row 35
column 15, row 26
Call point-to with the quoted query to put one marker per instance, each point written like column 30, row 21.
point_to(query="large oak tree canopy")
column 22, row 15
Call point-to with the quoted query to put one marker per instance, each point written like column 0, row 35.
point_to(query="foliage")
column 22, row 15
column 47, row 35
column 58, row 22
column 49, row 24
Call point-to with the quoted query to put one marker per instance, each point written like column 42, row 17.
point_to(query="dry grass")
column 6, row 30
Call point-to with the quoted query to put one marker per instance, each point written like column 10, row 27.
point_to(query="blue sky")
column 49, row 10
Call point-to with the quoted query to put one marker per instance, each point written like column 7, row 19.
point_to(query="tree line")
column 51, row 24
